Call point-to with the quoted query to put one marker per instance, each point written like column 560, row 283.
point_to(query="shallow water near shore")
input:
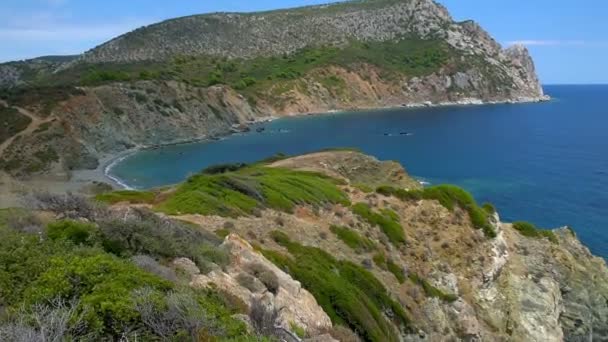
column 542, row 162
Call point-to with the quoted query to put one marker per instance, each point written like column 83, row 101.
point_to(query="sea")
column 546, row 163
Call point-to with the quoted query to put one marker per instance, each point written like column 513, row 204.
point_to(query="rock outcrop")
column 251, row 277
column 507, row 288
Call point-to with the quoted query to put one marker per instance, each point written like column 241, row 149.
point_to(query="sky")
column 568, row 39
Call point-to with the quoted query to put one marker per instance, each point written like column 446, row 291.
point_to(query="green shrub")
column 530, row 230
column 389, row 265
column 396, row 270
column 364, row 187
column 131, row 196
column 298, row 330
column 489, row 208
column 242, row 191
column 348, row 293
column 146, row 233
column 352, row 239
column 223, row 168
column 11, row 122
column 430, row 290
column 102, row 283
column 380, row 260
column 79, row 233
column 387, row 220
column 450, row 197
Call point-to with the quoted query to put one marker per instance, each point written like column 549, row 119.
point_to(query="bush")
column 352, row 239
column 387, row 220
column 67, row 205
column 222, row 168
column 143, row 232
column 133, row 197
column 265, row 276
column 396, row 270
column 79, row 233
column 450, row 197
column 242, row 191
column 489, row 208
column 11, row 122
column 430, row 290
column 102, row 283
column 348, row 293
column 530, row 230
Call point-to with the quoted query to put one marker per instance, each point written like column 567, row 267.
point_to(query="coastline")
column 108, row 162
column 85, row 181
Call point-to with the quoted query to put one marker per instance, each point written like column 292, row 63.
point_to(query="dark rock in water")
column 260, row 129
column 404, row 133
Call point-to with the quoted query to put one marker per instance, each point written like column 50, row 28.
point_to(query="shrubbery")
column 348, row 293
column 530, row 230
column 387, row 220
column 64, row 283
column 243, row 191
column 450, row 197
column 353, row 239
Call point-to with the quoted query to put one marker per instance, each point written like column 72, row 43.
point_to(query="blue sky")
column 568, row 39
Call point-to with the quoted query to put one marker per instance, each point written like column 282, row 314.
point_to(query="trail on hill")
column 34, row 124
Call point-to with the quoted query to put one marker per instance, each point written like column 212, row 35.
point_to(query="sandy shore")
column 85, row 182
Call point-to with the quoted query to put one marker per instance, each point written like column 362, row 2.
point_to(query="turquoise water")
column 546, row 163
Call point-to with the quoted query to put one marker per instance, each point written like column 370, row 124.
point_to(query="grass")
column 450, row 197
column 530, row 230
column 387, row 220
column 133, row 197
column 240, row 192
column 430, row 290
column 364, row 187
column 353, row 239
column 389, row 265
column 348, row 293
column 11, row 122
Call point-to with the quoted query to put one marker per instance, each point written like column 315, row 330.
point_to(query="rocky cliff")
column 452, row 280
column 204, row 75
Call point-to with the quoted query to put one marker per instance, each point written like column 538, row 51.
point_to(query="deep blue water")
column 546, row 163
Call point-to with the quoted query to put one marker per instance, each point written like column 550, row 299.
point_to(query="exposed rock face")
column 295, row 305
column 113, row 117
column 508, row 288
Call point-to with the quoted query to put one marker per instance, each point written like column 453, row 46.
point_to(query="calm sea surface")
column 546, row 163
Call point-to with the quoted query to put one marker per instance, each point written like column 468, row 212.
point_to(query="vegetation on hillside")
column 530, row 230
column 243, row 191
column 348, row 293
column 353, row 239
column 11, row 122
column 266, row 77
column 104, row 279
column 386, row 219
column 450, row 197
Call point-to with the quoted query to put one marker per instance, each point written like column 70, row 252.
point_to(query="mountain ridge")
column 207, row 75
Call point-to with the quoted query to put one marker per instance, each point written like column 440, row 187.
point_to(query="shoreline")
column 86, row 182
column 108, row 162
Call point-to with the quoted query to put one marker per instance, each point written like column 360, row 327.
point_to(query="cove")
column 546, row 163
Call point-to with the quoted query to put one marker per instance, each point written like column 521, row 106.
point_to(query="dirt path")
column 36, row 122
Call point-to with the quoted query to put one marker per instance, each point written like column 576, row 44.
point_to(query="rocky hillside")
column 455, row 269
column 206, row 75
column 321, row 247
